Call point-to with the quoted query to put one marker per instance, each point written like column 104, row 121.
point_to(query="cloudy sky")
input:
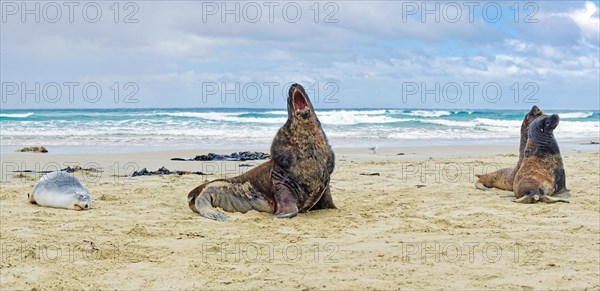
column 351, row 54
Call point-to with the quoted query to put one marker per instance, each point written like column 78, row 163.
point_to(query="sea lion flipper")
column 549, row 199
column 326, row 201
column 564, row 193
column 525, row 199
column 480, row 186
column 286, row 205
column 212, row 214
column 287, row 215
column 30, row 198
column 205, row 209
column 201, row 201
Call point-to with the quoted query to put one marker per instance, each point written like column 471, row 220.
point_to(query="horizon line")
column 275, row 108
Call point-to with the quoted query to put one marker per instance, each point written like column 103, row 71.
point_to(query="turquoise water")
column 255, row 128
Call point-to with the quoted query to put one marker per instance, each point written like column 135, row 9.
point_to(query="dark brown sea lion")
column 296, row 179
column 541, row 174
column 503, row 178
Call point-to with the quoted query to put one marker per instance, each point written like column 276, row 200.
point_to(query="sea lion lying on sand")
column 61, row 190
column 296, row 179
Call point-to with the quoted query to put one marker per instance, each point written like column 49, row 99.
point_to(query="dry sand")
column 419, row 224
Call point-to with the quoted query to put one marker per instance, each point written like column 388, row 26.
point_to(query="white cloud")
column 518, row 45
column 588, row 20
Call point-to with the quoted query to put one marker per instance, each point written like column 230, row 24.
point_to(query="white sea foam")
column 498, row 122
column 226, row 117
column 572, row 115
column 428, row 113
column 336, row 117
column 275, row 112
column 449, row 123
column 573, row 128
column 354, row 119
column 16, row 115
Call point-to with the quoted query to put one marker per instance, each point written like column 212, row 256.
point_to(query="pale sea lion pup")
column 296, row 179
column 503, row 178
column 61, row 190
column 541, row 174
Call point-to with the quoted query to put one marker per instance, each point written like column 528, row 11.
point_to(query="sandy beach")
column 408, row 221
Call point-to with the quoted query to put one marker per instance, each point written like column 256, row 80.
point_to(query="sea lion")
column 33, row 150
column 503, row 178
column 61, row 190
column 296, row 179
column 541, row 174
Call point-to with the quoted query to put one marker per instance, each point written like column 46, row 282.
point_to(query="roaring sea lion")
column 61, row 190
column 503, row 178
column 541, row 174
column 296, row 179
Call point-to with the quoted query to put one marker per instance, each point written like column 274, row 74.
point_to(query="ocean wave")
column 352, row 112
column 573, row 115
column 222, row 127
column 16, row 115
column 357, row 119
column 226, row 117
column 459, row 112
column 477, row 122
column 448, row 123
column 498, row 122
column 421, row 134
column 335, row 117
column 223, row 134
column 428, row 113
column 578, row 127
column 275, row 112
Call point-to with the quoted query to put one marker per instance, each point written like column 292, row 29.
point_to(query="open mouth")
column 299, row 101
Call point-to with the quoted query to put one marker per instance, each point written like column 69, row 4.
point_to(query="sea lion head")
column 299, row 105
column 532, row 115
column 81, row 200
column 485, row 181
column 544, row 125
column 540, row 137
